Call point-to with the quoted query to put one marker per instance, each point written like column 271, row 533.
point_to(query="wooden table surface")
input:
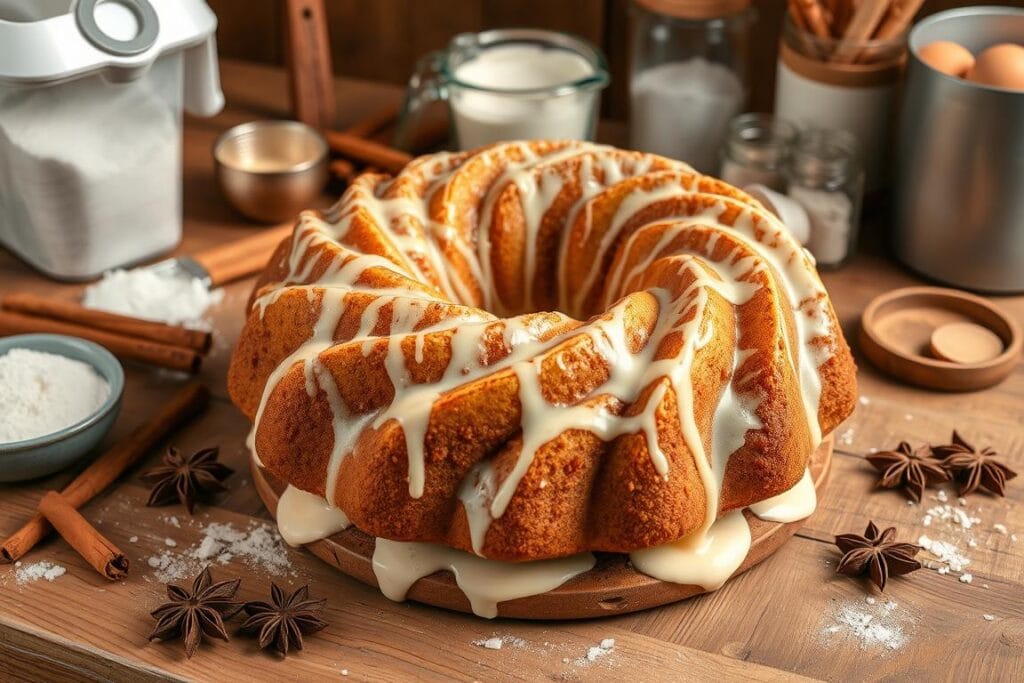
column 780, row 620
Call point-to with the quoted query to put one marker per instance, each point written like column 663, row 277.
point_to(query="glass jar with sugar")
column 824, row 174
column 688, row 76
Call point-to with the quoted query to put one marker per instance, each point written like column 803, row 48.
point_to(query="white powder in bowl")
column 41, row 393
column 140, row 293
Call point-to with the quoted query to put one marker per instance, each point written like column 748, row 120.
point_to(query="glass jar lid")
column 694, row 9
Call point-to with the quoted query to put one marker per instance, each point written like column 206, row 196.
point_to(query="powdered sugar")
column 259, row 546
column 874, row 625
column 598, row 651
column 142, row 293
column 41, row 393
column 496, row 642
column 28, row 573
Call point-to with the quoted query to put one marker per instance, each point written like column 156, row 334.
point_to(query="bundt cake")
column 539, row 349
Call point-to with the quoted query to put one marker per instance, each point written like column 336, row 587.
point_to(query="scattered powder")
column 1000, row 529
column 140, row 293
column 173, row 521
column 133, row 539
column 27, row 573
column 864, row 400
column 597, row 652
column 988, row 617
column 948, row 555
column 344, row 672
column 41, row 393
column 170, row 543
column 908, row 417
column 881, row 625
column 846, row 438
column 259, row 546
column 497, row 642
column 950, row 536
column 490, row 643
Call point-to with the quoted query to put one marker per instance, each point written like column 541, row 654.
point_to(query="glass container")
column 824, row 174
column 688, row 76
column 755, row 149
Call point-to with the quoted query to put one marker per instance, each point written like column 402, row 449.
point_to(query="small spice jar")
column 824, row 174
column 844, row 84
column 688, row 76
column 755, row 149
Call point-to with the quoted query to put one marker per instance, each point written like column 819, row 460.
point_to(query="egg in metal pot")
column 1000, row 66
column 947, row 57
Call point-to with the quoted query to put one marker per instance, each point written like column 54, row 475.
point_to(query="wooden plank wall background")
column 382, row 39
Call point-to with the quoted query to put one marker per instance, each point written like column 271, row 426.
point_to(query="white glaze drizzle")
column 304, row 517
column 485, row 583
column 793, row 505
column 705, row 559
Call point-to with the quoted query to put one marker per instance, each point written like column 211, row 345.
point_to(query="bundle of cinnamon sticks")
column 846, row 25
column 166, row 346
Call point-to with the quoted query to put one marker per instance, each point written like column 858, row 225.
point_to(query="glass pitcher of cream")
column 510, row 84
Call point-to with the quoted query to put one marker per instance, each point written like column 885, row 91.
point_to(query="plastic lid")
column 695, row 9
column 120, row 38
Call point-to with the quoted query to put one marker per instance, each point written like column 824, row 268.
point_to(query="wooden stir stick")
column 309, row 63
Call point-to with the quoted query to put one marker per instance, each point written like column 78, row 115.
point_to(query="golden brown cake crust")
column 392, row 361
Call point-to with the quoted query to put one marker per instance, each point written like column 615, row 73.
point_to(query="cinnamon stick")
column 100, row 553
column 189, row 401
column 898, row 19
column 862, row 26
column 68, row 311
column 122, row 346
column 814, row 17
column 367, row 151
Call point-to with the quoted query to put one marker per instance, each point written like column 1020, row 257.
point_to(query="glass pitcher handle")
column 426, row 85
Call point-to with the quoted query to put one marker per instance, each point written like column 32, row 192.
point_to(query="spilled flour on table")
column 259, row 546
column 497, row 642
column 597, row 652
column 568, row 655
column 29, row 573
column 872, row 624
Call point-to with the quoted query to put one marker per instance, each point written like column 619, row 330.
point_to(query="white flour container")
column 91, row 95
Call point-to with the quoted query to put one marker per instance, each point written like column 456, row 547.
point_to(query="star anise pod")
column 282, row 623
column 876, row 554
column 186, row 478
column 973, row 468
column 191, row 615
column 911, row 468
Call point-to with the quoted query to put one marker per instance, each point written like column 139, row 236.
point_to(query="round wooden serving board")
column 611, row 587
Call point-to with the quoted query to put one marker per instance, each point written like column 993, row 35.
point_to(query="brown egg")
column 1001, row 66
column 948, row 57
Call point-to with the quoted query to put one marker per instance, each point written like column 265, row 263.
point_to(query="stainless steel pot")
column 960, row 193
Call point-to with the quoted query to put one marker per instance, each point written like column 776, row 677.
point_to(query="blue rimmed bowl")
column 43, row 455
